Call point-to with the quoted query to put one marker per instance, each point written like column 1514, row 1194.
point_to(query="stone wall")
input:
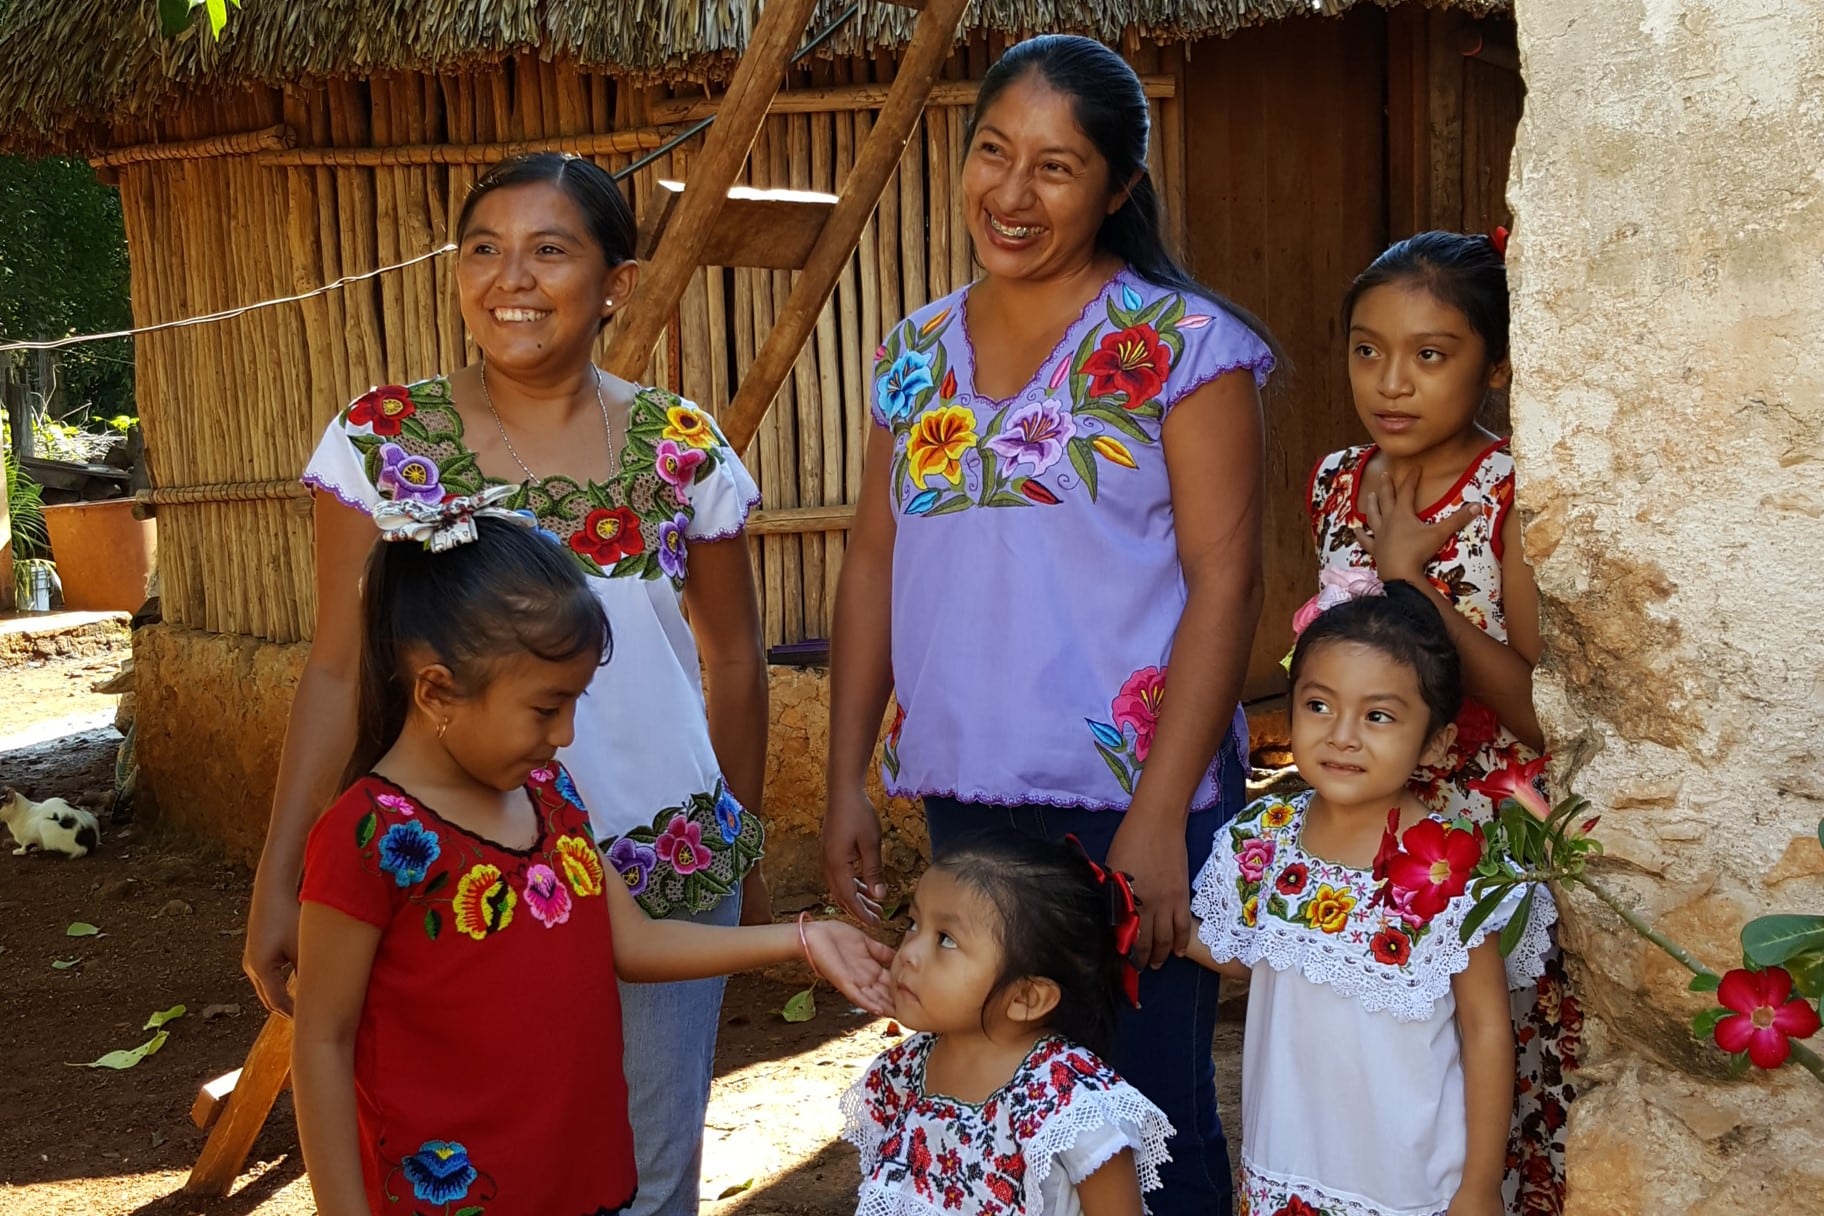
column 212, row 712
column 1668, row 275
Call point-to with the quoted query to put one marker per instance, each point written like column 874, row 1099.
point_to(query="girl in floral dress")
column 1000, row 1104
column 1378, row 1067
column 458, row 1036
column 1430, row 501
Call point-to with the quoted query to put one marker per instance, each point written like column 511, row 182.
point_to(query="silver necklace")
column 600, row 401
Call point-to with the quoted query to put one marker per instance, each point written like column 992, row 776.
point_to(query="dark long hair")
column 1054, row 923
column 1405, row 626
column 509, row 592
column 1463, row 271
column 1109, row 103
column 584, row 182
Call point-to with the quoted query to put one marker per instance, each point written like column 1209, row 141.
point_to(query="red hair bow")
column 1498, row 238
column 1124, row 917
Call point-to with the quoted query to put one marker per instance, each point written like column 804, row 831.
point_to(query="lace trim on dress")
column 318, row 482
column 1265, row 1187
column 1121, row 1107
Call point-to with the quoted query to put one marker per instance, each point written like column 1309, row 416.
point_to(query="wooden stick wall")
column 245, row 401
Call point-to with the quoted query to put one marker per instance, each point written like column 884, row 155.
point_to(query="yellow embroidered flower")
column 1276, row 816
column 1113, row 449
column 686, row 424
column 1250, row 911
column 483, row 903
column 1329, row 909
column 938, row 440
column 582, row 865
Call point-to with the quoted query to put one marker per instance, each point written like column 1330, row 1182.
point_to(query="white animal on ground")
column 53, row 825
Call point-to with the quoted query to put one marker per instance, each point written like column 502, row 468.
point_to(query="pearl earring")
column 607, row 303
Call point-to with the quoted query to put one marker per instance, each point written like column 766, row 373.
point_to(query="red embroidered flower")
column 1434, row 864
column 1292, row 879
column 1133, row 361
column 384, row 409
column 899, row 724
column 608, row 534
column 1767, row 1016
column 1297, row 1207
column 1003, row 1188
column 1391, row 947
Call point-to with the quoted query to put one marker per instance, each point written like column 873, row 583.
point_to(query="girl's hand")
column 854, row 962
column 1398, row 540
column 1482, row 1201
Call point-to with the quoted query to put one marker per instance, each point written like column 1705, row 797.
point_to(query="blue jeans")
column 669, row 1032
column 1163, row 1047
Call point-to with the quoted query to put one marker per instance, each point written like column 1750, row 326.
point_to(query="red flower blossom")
column 1391, row 947
column 1292, row 879
column 1133, row 361
column 1767, row 1016
column 608, row 534
column 383, row 409
column 1297, row 1207
column 1434, row 864
column 1519, row 782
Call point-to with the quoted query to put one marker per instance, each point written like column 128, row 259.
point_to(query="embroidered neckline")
column 922, row 1092
column 1301, row 806
column 540, row 815
column 1058, row 351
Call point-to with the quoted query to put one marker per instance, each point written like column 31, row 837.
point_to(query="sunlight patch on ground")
column 132, row 1192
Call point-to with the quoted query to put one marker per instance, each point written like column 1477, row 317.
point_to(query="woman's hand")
column 271, row 949
column 854, row 962
column 851, row 854
column 1398, row 540
column 1481, row 1201
column 756, row 899
column 1150, row 850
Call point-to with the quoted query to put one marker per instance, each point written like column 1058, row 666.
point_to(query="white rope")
column 228, row 314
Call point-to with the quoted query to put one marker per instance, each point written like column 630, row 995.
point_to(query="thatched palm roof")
column 68, row 63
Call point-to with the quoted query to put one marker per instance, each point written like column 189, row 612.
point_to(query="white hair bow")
column 444, row 525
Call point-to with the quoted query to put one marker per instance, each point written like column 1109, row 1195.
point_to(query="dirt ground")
column 77, row 1141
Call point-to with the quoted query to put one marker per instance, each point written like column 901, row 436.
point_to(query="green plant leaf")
column 82, row 929
column 162, row 1016
column 1704, row 1024
column 64, row 964
column 218, row 15
column 1821, row 833
column 1512, row 930
column 118, row 1060
column 801, row 1008
column 1807, row 971
column 1705, row 983
column 1738, row 1064
column 174, row 16
column 1485, row 908
column 1768, row 941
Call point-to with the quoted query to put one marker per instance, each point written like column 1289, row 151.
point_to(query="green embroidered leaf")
column 1174, row 312
column 1006, row 498
column 414, row 428
column 462, row 474
column 951, row 505
column 1150, row 314
column 1118, row 418
column 888, row 757
column 1083, row 460
column 1118, row 766
column 1514, row 928
column 433, row 924
column 1175, row 344
column 82, row 928
column 1278, row 907
column 474, row 1209
column 801, row 1008
column 1118, row 316
column 365, row 829
column 438, row 880
column 1152, row 409
column 989, row 476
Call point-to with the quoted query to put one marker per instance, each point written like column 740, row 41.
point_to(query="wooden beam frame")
column 860, row 97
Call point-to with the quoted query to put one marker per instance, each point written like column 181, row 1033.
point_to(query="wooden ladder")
column 709, row 223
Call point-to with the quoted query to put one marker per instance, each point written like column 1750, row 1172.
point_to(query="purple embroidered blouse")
column 1036, row 584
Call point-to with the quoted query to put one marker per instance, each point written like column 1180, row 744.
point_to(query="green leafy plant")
column 31, row 540
column 174, row 15
column 1766, row 1005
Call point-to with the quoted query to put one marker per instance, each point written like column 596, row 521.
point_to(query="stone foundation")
column 1668, row 278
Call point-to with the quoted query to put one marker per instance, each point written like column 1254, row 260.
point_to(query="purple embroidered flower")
column 672, row 545
column 909, row 376
column 546, row 898
column 407, row 851
column 633, row 861
column 393, row 802
column 677, row 466
column 1035, row 433
column 408, row 477
column 439, row 1172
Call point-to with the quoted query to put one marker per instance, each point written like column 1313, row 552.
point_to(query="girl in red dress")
column 458, row 1039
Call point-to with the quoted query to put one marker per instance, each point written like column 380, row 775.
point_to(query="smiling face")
column 1035, row 189
column 950, row 958
column 532, row 282
column 1417, row 369
column 516, row 722
column 1360, row 725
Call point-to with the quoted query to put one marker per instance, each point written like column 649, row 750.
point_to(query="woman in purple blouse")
column 1060, row 518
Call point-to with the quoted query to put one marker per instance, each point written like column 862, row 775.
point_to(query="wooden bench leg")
column 262, row 1078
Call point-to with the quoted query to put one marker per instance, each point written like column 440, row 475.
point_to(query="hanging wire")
column 696, row 128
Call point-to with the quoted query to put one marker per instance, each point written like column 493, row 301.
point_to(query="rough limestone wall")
column 1668, row 273
column 212, row 711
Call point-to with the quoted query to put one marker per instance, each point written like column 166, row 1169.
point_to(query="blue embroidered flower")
column 407, row 851
column 439, row 1171
column 909, row 376
column 922, row 502
column 1130, row 299
column 728, row 816
column 567, row 788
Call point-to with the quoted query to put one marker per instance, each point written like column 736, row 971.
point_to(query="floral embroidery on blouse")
column 924, row 1153
column 951, row 453
column 441, row 1175
column 1262, row 898
column 458, row 887
column 690, row 857
column 632, row 526
column 1466, row 571
column 1126, row 739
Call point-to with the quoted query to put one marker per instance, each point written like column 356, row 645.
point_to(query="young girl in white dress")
column 1000, row 1104
column 1378, row 1070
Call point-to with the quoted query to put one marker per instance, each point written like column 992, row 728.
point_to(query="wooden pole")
column 782, row 23
column 918, row 68
column 871, row 96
